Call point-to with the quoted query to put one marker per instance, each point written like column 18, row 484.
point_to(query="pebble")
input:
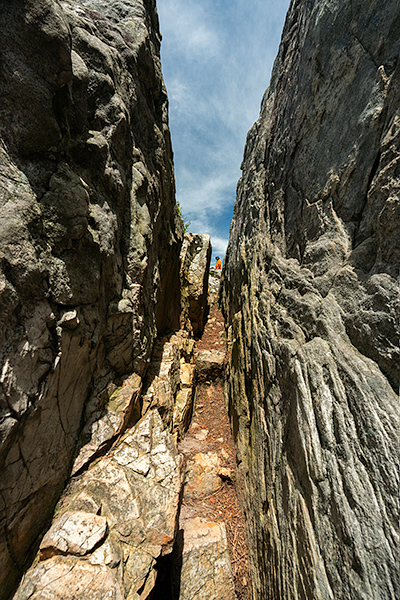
column 201, row 435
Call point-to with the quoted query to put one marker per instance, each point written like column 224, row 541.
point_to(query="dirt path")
column 211, row 416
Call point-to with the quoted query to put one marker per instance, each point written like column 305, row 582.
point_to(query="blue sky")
column 217, row 57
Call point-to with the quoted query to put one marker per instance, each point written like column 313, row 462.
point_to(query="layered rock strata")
column 89, row 241
column 311, row 299
column 170, row 382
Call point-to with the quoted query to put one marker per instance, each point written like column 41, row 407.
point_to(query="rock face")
column 195, row 266
column 214, row 283
column 311, row 298
column 137, row 490
column 118, row 517
column 203, row 571
column 89, row 240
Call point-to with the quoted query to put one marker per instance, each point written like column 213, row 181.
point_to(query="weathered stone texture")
column 137, row 490
column 170, row 381
column 214, row 283
column 89, row 237
column 120, row 510
column 210, row 364
column 311, row 298
column 202, row 569
column 195, row 266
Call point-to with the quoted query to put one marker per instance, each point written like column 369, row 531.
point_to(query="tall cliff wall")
column 89, row 235
column 311, row 298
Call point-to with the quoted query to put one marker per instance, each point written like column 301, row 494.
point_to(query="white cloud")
column 188, row 28
column 217, row 57
column 219, row 246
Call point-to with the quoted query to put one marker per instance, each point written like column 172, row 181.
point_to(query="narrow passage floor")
column 210, row 435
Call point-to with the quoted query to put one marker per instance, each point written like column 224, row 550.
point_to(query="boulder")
column 311, row 300
column 203, row 475
column 195, row 264
column 202, row 563
column 210, row 364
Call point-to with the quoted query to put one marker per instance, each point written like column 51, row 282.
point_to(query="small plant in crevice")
column 185, row 220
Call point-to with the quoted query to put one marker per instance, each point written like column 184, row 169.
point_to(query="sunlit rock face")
column 311, row 298
column 195, row 265
column 137, row 490
column 89, row 235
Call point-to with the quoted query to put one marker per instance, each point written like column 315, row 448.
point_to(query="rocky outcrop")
column 195, row 265
column 214, row 283
column 170, row 381
column 89, row 243
column 117, row 520
column 203, row 570
column 311, row 298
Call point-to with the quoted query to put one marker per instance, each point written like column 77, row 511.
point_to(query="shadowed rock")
column 210, row 364
column 89, row 238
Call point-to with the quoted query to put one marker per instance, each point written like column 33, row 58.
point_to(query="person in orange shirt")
column 218, row 264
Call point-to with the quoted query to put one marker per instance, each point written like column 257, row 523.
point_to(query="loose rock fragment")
column 210, row 365
column 203, row 475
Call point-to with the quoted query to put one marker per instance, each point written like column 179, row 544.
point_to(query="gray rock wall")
column 195, row 265
column 312, row 302
column 89, row 235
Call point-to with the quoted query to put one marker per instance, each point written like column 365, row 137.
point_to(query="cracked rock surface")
column 89, row 239
column 115, row 521
column 205, row 572
column 311, row 299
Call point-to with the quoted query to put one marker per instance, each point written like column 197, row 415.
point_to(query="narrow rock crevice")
column 151, row 503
